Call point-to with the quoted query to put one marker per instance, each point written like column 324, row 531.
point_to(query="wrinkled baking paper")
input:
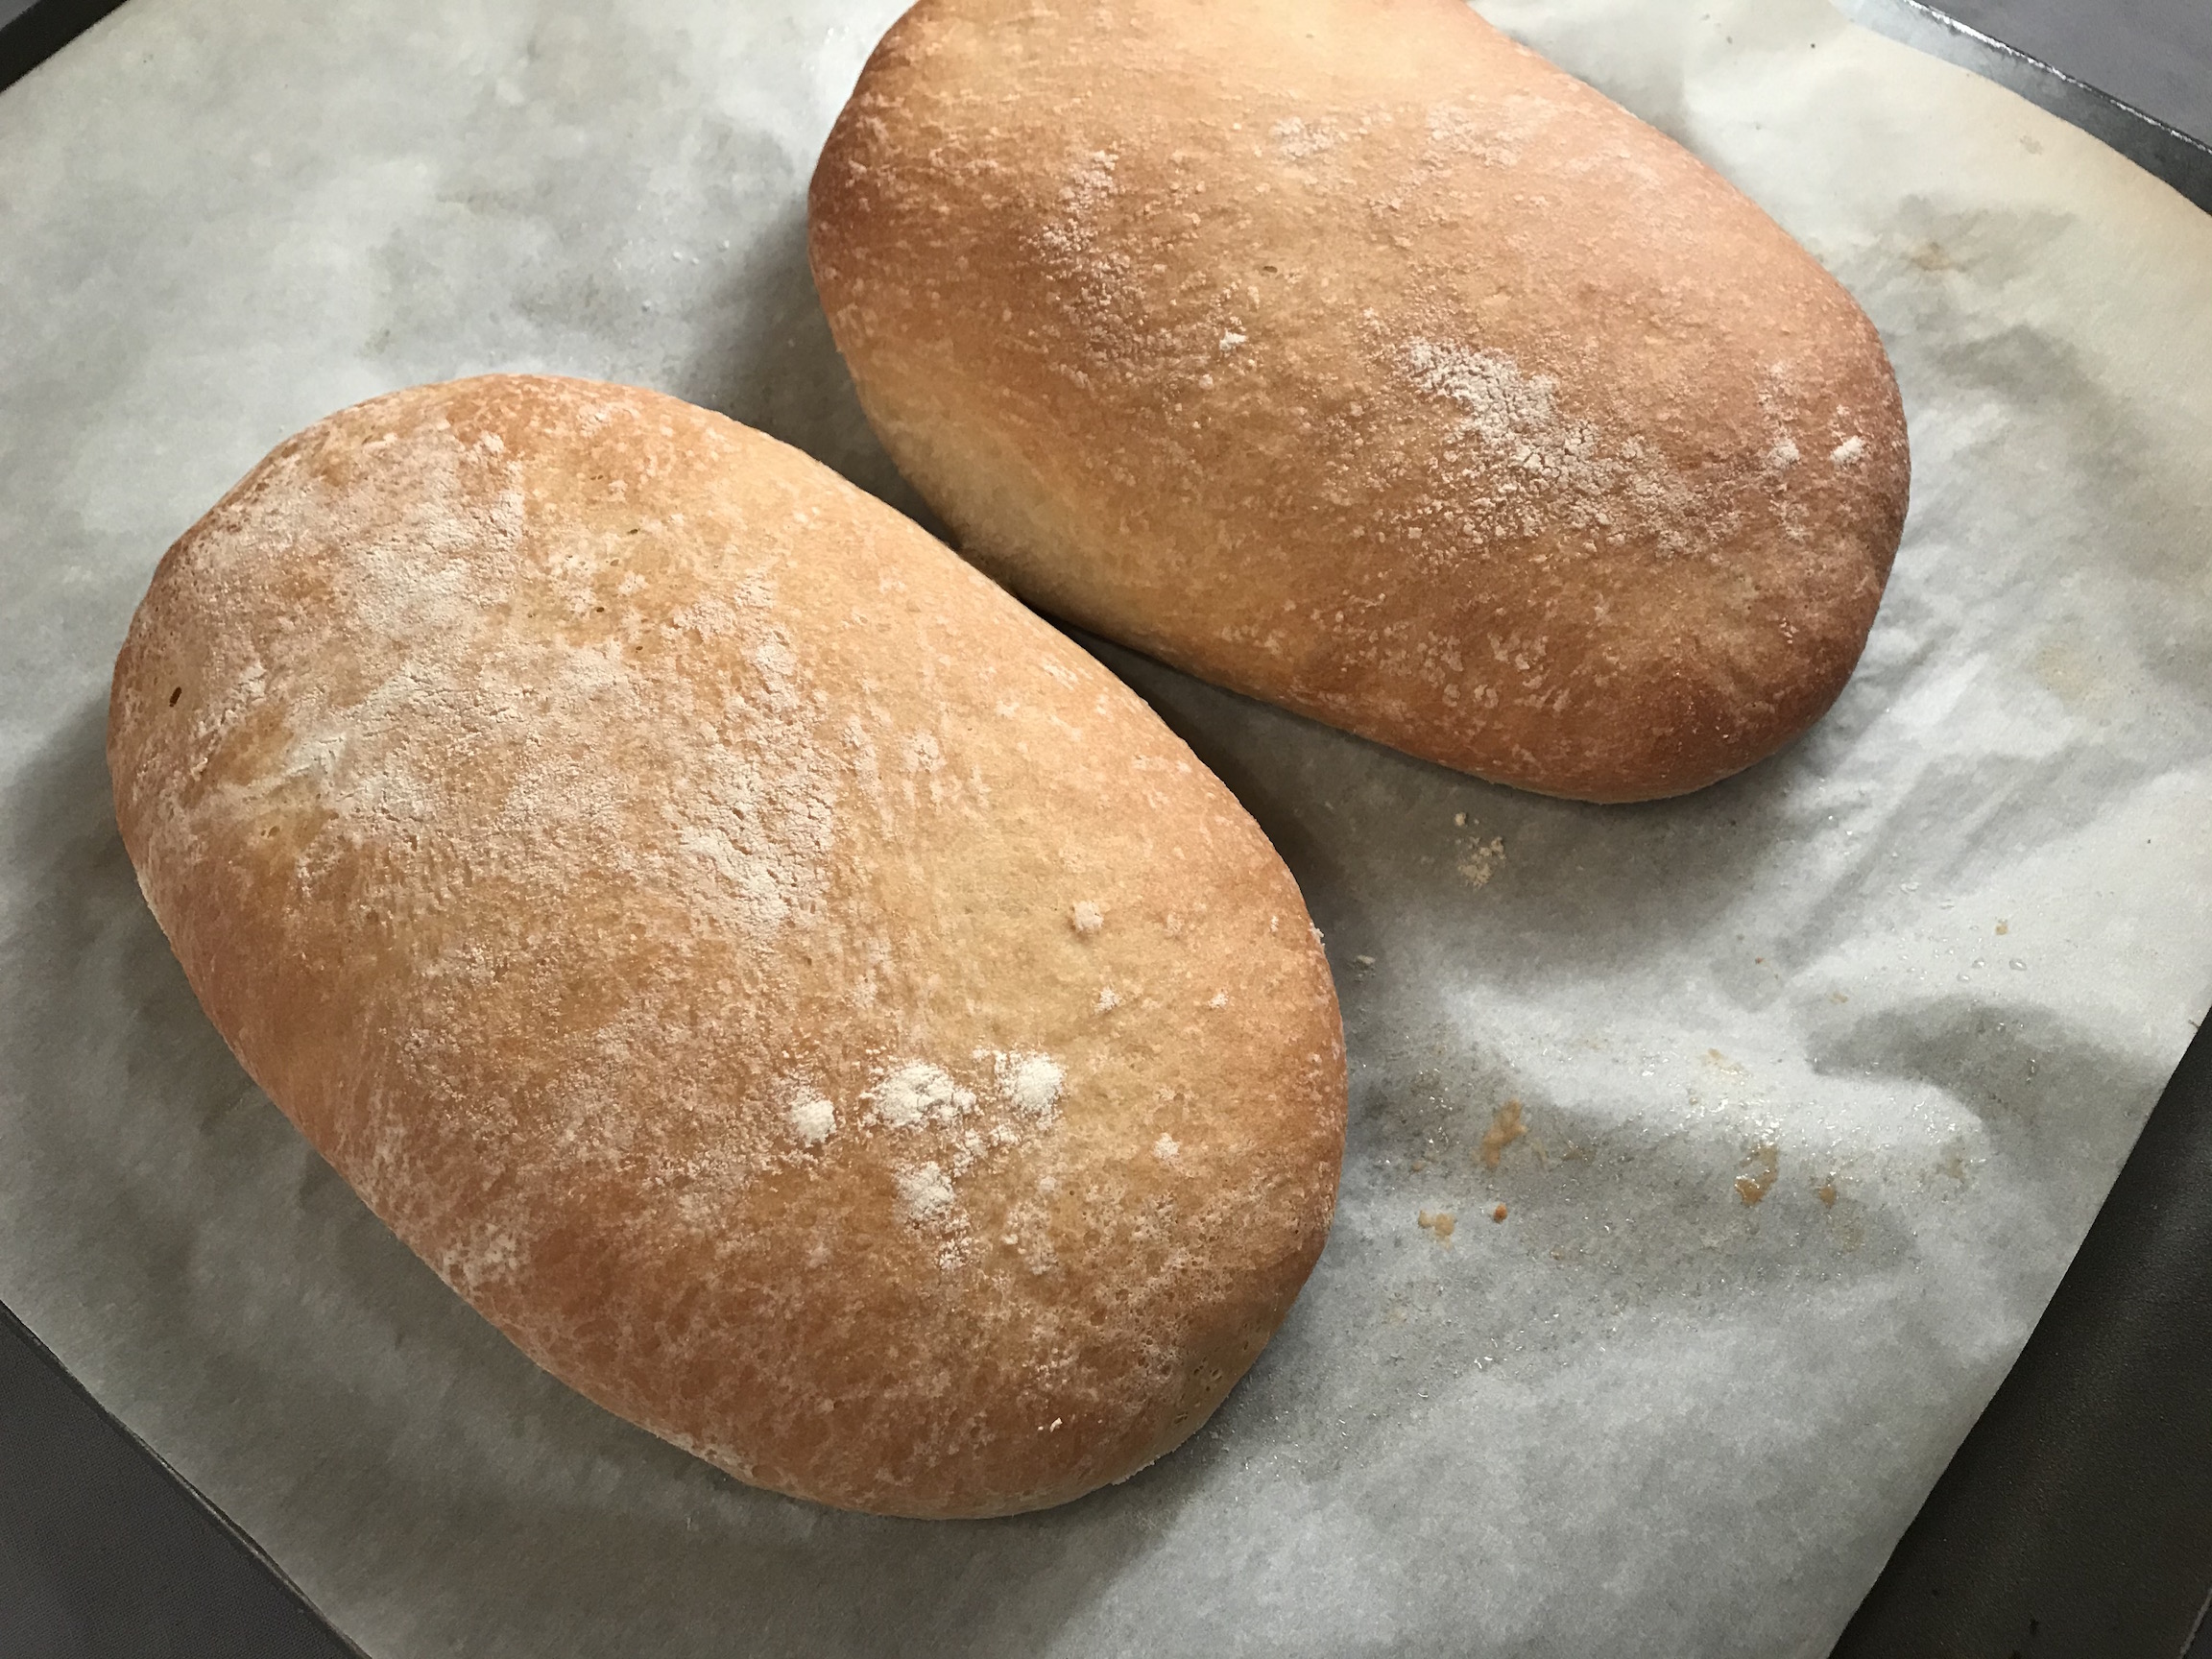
column 1797, row 1093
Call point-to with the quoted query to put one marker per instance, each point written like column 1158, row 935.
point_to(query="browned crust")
column 1348, row 355
column 552, row 790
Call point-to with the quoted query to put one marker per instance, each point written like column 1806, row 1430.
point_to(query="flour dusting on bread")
column 1350, row 361
column 649, row 870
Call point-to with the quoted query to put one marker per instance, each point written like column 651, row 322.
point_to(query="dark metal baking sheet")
column 2074, row 1520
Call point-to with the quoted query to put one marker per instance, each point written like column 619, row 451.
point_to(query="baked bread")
column 802, row 999
column 1345, row 353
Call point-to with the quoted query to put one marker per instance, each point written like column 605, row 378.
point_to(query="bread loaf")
column 798, row 996
column 1346, row 353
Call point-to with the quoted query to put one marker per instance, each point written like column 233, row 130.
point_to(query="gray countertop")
column 2156, row 55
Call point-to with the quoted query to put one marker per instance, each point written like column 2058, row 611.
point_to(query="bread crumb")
column 1088, row 918
column 1499, row 1213
column 1441, row 1223
column 1505, row 1128
column 1763, row 1163
column 1483, row 860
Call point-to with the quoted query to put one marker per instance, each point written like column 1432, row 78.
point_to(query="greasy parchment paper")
column 1913, row 985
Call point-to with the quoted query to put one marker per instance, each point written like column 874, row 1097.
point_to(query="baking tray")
column 2076, row 1518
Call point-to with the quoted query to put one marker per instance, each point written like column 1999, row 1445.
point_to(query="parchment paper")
column 1913, row 985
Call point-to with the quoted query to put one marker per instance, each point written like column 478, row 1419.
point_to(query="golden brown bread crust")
column 1348, row 355
column 806, row 1003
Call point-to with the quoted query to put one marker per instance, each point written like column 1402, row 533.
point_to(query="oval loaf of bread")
column 1348, row 355
column 806, row 1003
